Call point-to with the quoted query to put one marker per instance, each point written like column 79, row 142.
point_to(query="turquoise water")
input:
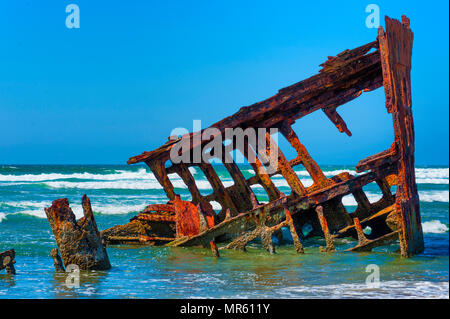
column 118, row 192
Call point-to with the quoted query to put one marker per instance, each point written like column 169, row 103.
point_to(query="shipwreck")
column 242, row 218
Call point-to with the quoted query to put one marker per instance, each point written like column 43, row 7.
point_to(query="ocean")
column 118, row 192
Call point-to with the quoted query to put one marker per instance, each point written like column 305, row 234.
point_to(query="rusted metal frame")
column 327, row 99
column 157, row 212
column 159, row 208
column 295, row 238
column 207, row 220
column 187, row 218
column 241, row 188
column 296, row 94
column 255, row 179
column 380, row 241
column 220, row 192
column 143, row 238
column 146, row 156
column 336, row 213
column 380, row 214
column 367, row 79
column 155, row 217
column 275, row 155
column 326, row 233
column 159, row 170
column 295, row 101
column 189, row 180
column 396, row 49
column 362, row 240
column 140, row 239
column 337, row 120
column 365, row 244
column 385, row 188
column 364, row 208
column 261, row 230
column 294, row 205
column 387, row 157
column 338, row 190
column 334, row 62
column 260, row 172
column 307, row 161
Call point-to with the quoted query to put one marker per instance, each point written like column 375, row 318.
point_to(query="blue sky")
column 131, row 73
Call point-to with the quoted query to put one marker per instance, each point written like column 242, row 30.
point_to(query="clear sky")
column 135, row 70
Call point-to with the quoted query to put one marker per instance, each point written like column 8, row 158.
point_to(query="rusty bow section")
column 344, row 77
column 78, row 241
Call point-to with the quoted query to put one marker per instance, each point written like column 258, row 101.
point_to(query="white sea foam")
column 431, row 181
column 177, row 183
column 432, row 173
column 142, row 179
column 387, row 289
column 2, row 216
column 216, row 205
column 425, row 196
column 279, row 181
column 119, row 175
column 434, row 196
column 114, row 207
column 434, row 227
column 423, row 175
column 349, row 200
column 328, row 173
column 107, row 185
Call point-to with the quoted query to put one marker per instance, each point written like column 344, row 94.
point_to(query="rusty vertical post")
column 396, row 49
column 78, row 241
column 362, row 240
column 297, row 243
column 323, row 223
column 158, row 168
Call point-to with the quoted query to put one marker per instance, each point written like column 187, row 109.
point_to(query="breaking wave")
column 387, row 289
column 119, row 175
column 423, row 175
column 434, row 196
column 434, row 227
column 112, row 207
